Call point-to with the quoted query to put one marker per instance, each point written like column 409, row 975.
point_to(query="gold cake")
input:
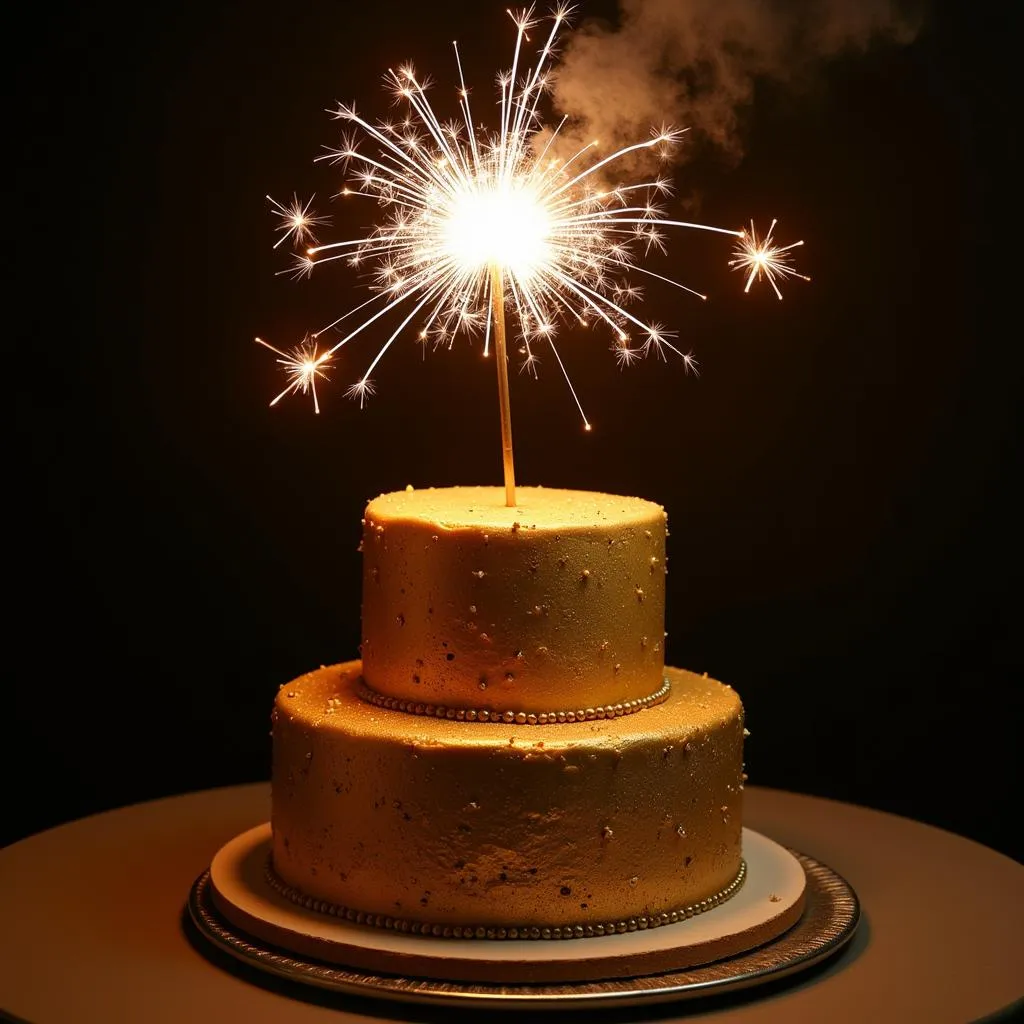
column 511, row 755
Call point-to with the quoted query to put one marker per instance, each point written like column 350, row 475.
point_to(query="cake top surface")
column 454, row 508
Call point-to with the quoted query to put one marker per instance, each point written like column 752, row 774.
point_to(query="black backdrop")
column 839, row 480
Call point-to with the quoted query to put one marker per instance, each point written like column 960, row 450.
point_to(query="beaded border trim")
column 577, row 931
column 415, row 707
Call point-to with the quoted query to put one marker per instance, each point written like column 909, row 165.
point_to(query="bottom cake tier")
column 413, row 820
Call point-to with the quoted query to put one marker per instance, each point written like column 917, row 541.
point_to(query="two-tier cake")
column 510, row 758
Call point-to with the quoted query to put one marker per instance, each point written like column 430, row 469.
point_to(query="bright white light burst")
column 480, row 220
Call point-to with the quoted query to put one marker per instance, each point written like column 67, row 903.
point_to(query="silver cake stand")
column 791, row 913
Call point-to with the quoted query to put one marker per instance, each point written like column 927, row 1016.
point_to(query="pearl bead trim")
column 458, row 714
column 448, row 931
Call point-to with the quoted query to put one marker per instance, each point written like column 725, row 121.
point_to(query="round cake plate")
column 760, row 935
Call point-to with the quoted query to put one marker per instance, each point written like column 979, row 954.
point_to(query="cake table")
column 95, row 927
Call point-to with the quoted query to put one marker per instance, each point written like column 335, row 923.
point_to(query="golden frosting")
column 457, row 822
column 556, row 603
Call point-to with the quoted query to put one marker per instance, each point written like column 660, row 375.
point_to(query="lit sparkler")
column 762, row 258
column 480, row 221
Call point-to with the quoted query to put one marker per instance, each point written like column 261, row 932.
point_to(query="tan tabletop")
column 91, row 925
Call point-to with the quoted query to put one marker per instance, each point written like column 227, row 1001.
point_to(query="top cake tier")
column 556, row 604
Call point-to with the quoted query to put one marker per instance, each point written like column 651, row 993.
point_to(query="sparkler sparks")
column 478, row 222
column 303, row 365
column 296, row 221
column 762, row 258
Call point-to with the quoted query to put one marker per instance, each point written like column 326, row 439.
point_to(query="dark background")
column 839, row 480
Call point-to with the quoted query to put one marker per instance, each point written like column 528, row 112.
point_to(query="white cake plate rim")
column 830, row 913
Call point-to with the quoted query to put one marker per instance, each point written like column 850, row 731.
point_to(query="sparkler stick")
column 504, row 405
column 477, row 219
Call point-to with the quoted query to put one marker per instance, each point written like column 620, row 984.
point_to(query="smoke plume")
column 693, row 63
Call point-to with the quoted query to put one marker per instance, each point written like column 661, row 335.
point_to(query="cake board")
column 790, row 913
